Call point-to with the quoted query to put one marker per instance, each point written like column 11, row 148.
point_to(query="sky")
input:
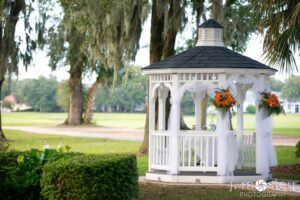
column 40, row 61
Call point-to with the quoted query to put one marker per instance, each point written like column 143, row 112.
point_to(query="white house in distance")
column 15, row 106
column 202, row 156
column 291, row 107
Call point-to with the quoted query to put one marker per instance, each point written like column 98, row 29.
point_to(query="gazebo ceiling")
column 208, row 57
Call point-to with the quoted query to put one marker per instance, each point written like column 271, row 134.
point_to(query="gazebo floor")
column 240, row 176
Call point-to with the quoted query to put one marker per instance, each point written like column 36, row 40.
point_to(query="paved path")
column 117, row 133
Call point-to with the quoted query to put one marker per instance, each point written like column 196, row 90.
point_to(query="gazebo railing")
column 160, row 142
column 249, row 149
column 197, row 151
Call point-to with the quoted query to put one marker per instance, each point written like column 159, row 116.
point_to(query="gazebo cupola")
column 210, row 33
column 207, row 156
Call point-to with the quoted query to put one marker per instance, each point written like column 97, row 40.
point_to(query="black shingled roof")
column 210, row 24
column 208, row 57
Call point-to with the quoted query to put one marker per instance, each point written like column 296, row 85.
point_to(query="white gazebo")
column 201, row 156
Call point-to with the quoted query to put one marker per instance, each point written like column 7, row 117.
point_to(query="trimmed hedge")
column 9, row 188
column 91, row 177
column 20, row 172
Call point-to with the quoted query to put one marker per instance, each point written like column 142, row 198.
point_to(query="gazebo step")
column 240, row 176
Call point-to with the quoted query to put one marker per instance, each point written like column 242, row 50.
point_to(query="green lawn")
column 288, row 124
column 118, row 120
column 32, row 118
column 283, row 124
column 286, row 155
column 20, row 140
column 159, row 192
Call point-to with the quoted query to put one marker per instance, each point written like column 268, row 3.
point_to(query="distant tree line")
column 37, row 93
column 290, row 88
column 125, row 97
column 49, row 95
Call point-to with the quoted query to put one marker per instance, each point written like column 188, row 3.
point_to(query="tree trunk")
column 162, row 43
column 156, row 47
column 75, row 40
column 203, row 112
column 171, row 30
column 7, row 44
column 145, row 144
column 169, row 50
column 88, row 114
column 2, row 136
column 156, row 38
column 76, row 100
column 217, row 10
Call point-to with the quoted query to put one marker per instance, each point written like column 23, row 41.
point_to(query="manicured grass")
column 122, row 120
column 286, row 155
column 285, row 176
column 32, row 119
column 24, row 141
column 162, row 192
column 283, row 124
column 118, row 120
column 20, row 140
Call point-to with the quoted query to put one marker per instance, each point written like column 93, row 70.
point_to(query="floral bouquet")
column 224, row 100
column 270, row 102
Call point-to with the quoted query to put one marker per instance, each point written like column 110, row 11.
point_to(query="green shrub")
column 91, row 177
column 4, row 145
column 251, row 109
column 298, row 149
column 20, row 172
column 8, row 169
column 19, row 181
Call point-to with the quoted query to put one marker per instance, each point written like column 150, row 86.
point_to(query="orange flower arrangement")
column 224, row 100
column 271, row 103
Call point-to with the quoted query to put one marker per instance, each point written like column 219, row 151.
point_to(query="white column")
column 174, row 134
column 222, row 84
column 223, row 133
column 197, row 101
column 161, row 114
column 151, row 109
column 163, row 93
column 241, row 93
column 260, row 148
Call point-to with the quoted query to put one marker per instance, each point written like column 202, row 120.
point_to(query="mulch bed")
column 293, row 169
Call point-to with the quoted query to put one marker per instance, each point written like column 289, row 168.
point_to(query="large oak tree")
column 11, row 55
column 97, row 40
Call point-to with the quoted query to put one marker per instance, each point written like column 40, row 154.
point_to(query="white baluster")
column 195, row 151
column 207, row 148
column 189, row 151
